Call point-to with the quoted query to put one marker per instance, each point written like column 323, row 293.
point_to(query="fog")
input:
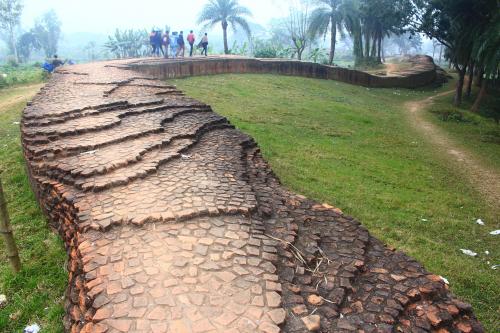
column 86, row 24
column 104, row 16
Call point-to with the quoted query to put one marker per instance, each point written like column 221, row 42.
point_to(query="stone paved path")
column 174, row 223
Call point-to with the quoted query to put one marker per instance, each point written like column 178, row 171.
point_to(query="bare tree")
column 298, row 27
column 10, row 14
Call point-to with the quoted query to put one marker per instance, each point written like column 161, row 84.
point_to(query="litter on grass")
column 495, row 232
column 495, row 267
column 487, row 252
column 445, row 280
column 3, row 300
column 468, row 252
column 32, row 329
column 480, row 222
column 15, row 122
column 424, row 220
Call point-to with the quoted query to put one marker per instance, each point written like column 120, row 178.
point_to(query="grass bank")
column 20, row 74
column 354, row 148
column 35, row 294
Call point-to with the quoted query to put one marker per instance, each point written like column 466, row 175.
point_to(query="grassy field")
column 354, row 148
column 35, row 294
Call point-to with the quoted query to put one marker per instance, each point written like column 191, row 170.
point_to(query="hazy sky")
column 104, row 16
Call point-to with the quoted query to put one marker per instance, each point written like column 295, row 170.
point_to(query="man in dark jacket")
column 180, row 44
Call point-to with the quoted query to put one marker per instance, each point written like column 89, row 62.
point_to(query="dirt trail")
column 484, row 179
column 18, row 94
column 391, row 68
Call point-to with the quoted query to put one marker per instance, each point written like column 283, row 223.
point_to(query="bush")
column 20, row 74
column 268, row 49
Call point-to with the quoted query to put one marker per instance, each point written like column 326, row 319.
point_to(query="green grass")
column 21, row 74
column 476, row 132
column 35, row 294
column 354, row 148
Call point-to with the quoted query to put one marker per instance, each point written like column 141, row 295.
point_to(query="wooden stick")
column 8, row 236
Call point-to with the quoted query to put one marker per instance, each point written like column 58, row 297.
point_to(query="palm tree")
column 327, row 15
column 486, row 51
column 352, row 23
column 225, row 12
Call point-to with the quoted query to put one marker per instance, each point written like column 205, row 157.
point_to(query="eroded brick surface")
column 174, row 223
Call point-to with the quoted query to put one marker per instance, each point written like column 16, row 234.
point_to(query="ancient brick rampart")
column 422, row 71
column 174, row 222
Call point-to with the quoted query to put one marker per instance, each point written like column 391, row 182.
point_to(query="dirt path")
column 391, row 67
column 15, row 95
column 484, row 179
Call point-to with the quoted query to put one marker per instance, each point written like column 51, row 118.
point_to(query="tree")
column 90, row 48
column 27, row 43
column 298, row 28
column 10, row 14
column 459, row 25
column 128, row 43
column 352, row 23
column 225, row 12
column 48, row 30
column 328, row 16
column 486, row 49
column 406, row 42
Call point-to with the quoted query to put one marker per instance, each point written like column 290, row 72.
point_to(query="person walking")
column 152, row 42
column 180, row 44
column 166, row 42
column 204, row 44
column 191, row 39
column 158, row 43
column 173, row 44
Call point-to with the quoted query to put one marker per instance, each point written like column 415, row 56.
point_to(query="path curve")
column 485, row 180
column 174, row 223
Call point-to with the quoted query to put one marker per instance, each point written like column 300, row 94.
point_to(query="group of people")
column 173, row 45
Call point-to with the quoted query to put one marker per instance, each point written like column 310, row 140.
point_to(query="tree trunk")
column 13, row 44
column 479, row 77
column 299, row 53
column 367, row 45
column 358, row 47
column 468, row 91
column 8, row 237
column 440, row 54
column 374, row 47
column 379, row 55
column 224, row 30
column 480, row 96
column 457, row 100
column 383, row 51
column 333, row 41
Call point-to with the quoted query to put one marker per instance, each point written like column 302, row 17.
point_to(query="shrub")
column 20, row 74
column 268, row 49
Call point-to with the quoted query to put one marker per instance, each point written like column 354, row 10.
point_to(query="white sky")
column 104, row 16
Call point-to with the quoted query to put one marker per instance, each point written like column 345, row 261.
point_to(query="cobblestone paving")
column 174, row 223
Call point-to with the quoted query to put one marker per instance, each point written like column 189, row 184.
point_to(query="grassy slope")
column 353, row 147
column 35, row 294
